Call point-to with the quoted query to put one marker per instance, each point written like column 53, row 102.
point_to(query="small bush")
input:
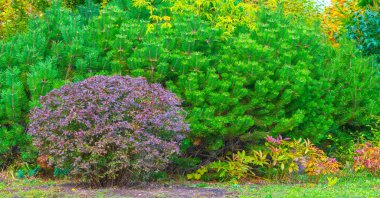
column 239, row 166
column 298, row 156
column 367, row 157
column 280, row 160
column 109, row 129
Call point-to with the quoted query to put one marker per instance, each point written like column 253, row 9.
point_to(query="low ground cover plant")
column 299, row 156
column 282, row 159
column 109, row 129
column 367, row 158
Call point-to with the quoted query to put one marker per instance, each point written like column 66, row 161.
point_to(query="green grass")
column 357, row 186
column 29, row 188
column 351, row 185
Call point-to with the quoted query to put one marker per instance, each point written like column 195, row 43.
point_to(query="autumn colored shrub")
column 359, row 19
column 336, row 16
column 298, row 156
column 109, row 129
column 367, row 157
column 280, row 160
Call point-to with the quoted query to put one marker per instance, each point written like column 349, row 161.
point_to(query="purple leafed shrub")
column 109, row 129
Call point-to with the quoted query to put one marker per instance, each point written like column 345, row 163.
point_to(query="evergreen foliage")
column 282, row 78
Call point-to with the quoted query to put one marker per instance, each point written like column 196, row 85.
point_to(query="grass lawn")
column 353, row 186
column 345, row 187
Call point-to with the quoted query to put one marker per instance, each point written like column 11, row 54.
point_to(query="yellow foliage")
column 155, row 19
column 104, row 4
column 14, row 14
column 149, row 28
column 298, row 8
column 336, row 15
column 140, row 3
column 228, row 14
column 224, row 14
column 331, row 181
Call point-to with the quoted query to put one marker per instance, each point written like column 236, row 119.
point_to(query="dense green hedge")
column 282, row 78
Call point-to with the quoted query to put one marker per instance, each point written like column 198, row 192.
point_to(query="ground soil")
column 149, row 190
column 143, row 190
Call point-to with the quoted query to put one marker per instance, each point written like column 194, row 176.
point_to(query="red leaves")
column 118, row 124
column 367, row 157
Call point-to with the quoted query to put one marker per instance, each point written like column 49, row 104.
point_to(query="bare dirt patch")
column 148, row 190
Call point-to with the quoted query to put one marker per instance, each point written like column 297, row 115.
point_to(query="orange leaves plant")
column 281, row 159
column 367, row 157
column 298, row 156
column 335, row 17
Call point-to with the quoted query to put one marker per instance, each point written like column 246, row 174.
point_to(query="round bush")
column 109, row 129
